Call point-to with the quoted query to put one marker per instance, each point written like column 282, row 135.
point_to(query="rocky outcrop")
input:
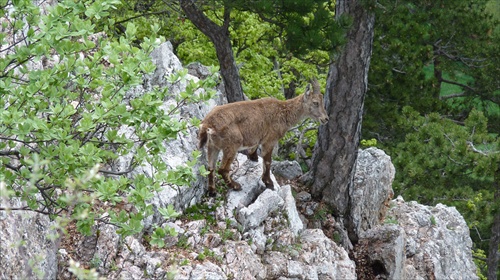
column 255, row 233
column 371, row 191
column 417, row 242
column 259, row 239
column 179, row 149
column 28, row 244
column 437, row 241
column 249, row 231
column 286, row 169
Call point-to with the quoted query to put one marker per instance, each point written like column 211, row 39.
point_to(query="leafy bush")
column 66, row 118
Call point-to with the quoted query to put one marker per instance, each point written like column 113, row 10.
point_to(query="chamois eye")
column 316, row 104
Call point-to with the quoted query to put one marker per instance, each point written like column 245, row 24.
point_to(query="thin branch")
column 471, row 145
column 227, row 17
column 10, row 153
column 12, row 167
column 118, row 173
column 398, row 71
column 479, row 258
column 454, row 95
column 25, row 208
column 26, row 142
column 143, row 15
column 449, row 139
column 458, row 84
column 199, row 19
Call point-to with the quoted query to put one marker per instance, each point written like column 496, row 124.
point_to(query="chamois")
column 248, row 124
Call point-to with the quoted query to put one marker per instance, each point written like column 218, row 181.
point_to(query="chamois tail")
column 202, row 137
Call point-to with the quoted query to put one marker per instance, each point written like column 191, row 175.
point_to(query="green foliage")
column 95, row 262
column 184, row 174
column 82, row 273
column 226, row 234
column 444, row 162
column 298, row 143
column 433, row 103
column 306, row 25
column 64, row 115
column 201, row 211
column 269, row 59
column 479, row 256
column 159, row 234
column 433, row 220
column 183, row 242
column 169, row 212
column 422, row 60
column 369, row 143
column 391, row 220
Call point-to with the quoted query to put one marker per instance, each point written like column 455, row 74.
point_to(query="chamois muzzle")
column 324, row 119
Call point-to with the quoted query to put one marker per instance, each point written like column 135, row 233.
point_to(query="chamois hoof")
column 235, row 186
column 212, row 194
column 269, row 185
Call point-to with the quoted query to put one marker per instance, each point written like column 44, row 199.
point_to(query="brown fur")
column 248, row 124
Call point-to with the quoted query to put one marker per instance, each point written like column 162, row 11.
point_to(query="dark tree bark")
column 290, row 90
column 336, row 151
column 219, row 35
column 493, row 253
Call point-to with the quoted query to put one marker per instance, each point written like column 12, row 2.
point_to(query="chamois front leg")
column 267, row 152
column 227, row 158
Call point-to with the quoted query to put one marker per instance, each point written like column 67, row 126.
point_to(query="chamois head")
column 313, row 103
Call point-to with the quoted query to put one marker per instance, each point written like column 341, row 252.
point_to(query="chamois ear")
column 307, row 94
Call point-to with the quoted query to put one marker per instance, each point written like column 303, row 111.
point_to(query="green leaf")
column 130, row 31
column 169, row 212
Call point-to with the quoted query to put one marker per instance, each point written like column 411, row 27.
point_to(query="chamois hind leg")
column 252, row 154
column 267, row 152
column 227, row 158
column 212, row 156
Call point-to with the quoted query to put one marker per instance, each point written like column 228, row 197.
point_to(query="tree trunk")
column 219, row 35
column 493, row 254
column 336, row 151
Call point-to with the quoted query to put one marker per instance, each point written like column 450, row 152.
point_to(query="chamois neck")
column 293, row 111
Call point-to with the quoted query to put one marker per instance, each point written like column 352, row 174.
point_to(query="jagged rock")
column 286, row 169
column 166, row 64
column 266, row 203
column 380, row 252
column 241, row 262
column 276, row 264
column 206, row 270
column 427, row 243
column 327, row 259
column 107, row 247
column 131, row 272
column 248, row 173
column 303, row 196
column 258, row 238
column 441, row 239
column 296, row 225
column 28, row 244
column 372, row 190
column 198, row 70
